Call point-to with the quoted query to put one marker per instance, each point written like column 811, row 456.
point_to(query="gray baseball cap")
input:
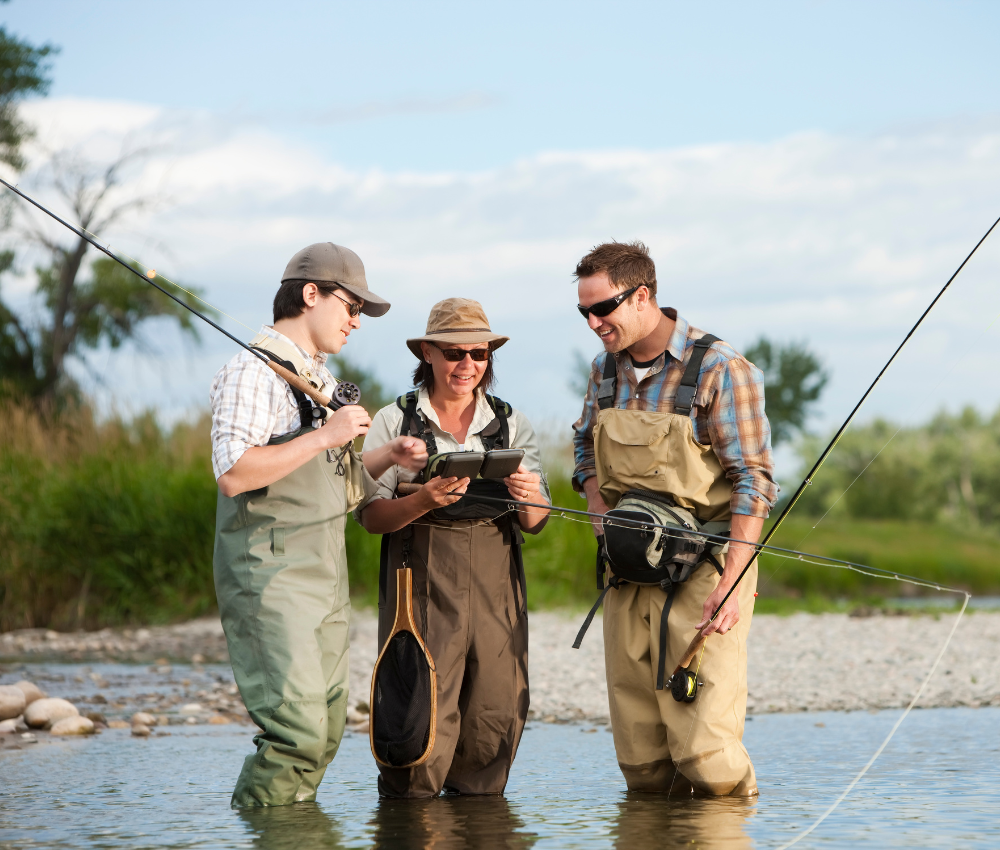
column 325, row 262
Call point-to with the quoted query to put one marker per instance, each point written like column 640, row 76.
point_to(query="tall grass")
column 112, row 522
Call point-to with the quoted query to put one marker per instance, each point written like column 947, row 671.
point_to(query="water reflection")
column 302, row 826
column 449, row 822
column 654, row 820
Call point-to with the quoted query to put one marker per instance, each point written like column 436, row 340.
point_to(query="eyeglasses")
column 352, row 308
column 457, row 355
column 609, row 305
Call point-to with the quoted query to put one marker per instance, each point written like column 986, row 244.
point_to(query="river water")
column 936, row 785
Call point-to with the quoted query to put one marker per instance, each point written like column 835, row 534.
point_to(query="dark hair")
column 288, row 301
column 423, row 375
column 627, row 264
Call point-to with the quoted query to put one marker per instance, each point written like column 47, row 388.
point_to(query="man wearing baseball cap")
column 286, row 484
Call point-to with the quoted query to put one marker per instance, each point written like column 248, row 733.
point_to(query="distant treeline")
column 946, row 471
column 112, row 522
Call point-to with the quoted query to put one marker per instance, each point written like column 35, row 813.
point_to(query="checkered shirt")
column 251, row 404
column 728, row 413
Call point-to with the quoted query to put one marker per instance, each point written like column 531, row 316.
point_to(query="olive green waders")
column 663, row 745
column 281, row 580
column 468, row 602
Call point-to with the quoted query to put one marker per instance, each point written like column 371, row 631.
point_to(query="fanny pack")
column 658, row 543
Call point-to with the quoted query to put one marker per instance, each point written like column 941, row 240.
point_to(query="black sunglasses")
column 353, row 309
column 457, row 355
column 609, row 305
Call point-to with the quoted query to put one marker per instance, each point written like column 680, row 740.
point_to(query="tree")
column 793, row 382
column 77, row 313
column 23, row 72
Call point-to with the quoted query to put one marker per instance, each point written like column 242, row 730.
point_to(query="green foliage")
column 946, row 471
column 793, row 382
column 23, row 72
column 107, row 308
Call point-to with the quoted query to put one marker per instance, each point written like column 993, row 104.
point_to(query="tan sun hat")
column 325, row 262
column 460, row 321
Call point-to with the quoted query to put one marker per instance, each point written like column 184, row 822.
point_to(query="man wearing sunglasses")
column 674, row 414
column 285, row 486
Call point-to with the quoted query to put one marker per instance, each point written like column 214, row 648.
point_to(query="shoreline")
column 799, row 662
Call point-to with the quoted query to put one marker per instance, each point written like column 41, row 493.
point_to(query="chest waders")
column 651, row 469
column 281, row 580
column 470, row 608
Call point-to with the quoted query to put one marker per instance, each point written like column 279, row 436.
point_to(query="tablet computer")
column 501, row 462
column 454, row 465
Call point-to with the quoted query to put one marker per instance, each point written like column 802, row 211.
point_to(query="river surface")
column 936, row 785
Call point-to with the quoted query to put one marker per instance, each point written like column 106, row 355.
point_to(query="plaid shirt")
column 728, row 413
column 251, row 404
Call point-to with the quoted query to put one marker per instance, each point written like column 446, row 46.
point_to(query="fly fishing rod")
column 701, row 637
column 344, row 393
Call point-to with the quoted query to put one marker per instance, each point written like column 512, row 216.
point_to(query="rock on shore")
column 803, row 662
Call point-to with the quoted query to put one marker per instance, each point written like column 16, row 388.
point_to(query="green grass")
column 113, row 523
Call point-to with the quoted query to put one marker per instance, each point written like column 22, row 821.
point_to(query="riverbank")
column 802, row 662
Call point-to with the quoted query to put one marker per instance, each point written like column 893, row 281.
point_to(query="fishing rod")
column 344, row 393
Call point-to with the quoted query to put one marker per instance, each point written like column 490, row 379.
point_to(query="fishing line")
column 888, row 737
column 954, row 366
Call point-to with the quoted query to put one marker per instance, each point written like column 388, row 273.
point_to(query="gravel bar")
column 802, row 662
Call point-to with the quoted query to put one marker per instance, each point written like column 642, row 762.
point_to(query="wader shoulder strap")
column 499, row 428
column 684, row 399
column 413, row 422
column 609, row 383
column 307, row 410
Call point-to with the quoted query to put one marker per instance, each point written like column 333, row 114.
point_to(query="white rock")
column 73, row 726
column 50, row 710
column 31, row 691
column 8, row 727
column 191, row 721
column 11, row 701
column 143, row 718
column 29, row 738
column 140, row 730
column 191, row 708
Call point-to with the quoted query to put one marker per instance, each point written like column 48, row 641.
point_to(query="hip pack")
column 646, row 548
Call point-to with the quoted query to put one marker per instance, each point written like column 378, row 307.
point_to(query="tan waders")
column 664, row 745
column 468, row 602
column 281, row 581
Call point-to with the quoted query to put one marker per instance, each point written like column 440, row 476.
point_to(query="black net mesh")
column 401, row 715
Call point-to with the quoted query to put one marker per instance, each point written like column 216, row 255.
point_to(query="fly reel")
column 684, row 685
column 345, row 393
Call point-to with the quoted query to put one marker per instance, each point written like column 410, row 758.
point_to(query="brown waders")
column 663, row 745
column 281, row 581
column 468, row 602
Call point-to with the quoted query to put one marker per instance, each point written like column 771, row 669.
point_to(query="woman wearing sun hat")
column 468, row 576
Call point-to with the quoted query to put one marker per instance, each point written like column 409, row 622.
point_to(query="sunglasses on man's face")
column 604, row 308
column 353, row 309
column 457, row 355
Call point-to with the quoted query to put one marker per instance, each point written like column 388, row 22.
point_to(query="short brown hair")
column 626, row 264
column 288, row 301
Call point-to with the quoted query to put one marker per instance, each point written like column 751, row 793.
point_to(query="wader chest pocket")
column 277, row 541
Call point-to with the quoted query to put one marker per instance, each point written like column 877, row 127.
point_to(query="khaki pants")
column 467, row 609
column 664, row 745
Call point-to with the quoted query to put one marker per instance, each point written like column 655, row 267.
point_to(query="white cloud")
column 837, row 240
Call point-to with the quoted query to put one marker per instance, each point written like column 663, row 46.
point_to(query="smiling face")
column 327, row 318
column 624, row 326
column 455, row 379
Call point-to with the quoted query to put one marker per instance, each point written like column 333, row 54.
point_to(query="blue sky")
column 807, row 170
